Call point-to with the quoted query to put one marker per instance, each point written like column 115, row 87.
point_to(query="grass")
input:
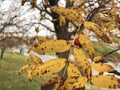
column 9, row 78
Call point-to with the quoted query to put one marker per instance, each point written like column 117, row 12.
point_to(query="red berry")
column 76, row 42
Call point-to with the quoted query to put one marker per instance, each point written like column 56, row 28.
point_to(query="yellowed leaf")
column 33, row 3
column 95, row 28
column 23, row 69
column 68, row 13
column 51, row 46
column 35, row 59
column 23, row 2
column 87, row 44
column 97, row 58
column 73, row 70
column 62, row 21
column 82, row 62
column 37, row 29
column 73, row 83
column 108, row 81
column 102, row 67
column 29, row 75
column 53, row 83
column 49, row 67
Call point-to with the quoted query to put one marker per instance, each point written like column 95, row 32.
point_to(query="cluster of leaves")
column 75, row 74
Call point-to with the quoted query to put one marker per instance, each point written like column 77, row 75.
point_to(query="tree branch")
column 93, row 13
column 48, row 28
column 45, row 10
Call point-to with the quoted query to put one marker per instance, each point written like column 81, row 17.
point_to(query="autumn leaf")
column 53, row 83
column 62, row 21
column 97, row 58
column 41, row 38
column 82, row 62
column 95, row 28
column 69, row 13
column 72, row 70
column 23, row 69
column 23, row 2
column 29, row 75
column 51, row 46
column 102, row 67
column 87, row 44
column 35, row 59
column 37, row 29
column 73, row 83
column 48, row 68
column 33, row 3
column 108, row 81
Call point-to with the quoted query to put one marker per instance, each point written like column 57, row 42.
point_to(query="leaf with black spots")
column 87, row 44
column 82, row 62
column 108, row 81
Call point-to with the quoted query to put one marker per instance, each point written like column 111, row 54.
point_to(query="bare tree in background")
column 14, row 20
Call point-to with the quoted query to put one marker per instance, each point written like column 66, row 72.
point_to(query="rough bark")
column 2, row 52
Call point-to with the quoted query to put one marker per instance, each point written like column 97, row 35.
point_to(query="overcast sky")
column 8, row 4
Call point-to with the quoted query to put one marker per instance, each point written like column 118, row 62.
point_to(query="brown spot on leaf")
column 36, row 45
column 114, row 86
column 37, row 74
column 111, row 78
column 51, row 48
column 42, row 48
column 70, row 82
column 109, row 86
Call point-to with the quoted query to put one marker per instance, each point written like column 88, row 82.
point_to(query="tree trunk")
column 61, row 32
column 2, row 52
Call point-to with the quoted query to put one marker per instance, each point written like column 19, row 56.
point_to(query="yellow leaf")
column 106, row 81
column 23, row 69
column 37, row 29
column 42, row 16
column 23, row 2
column 53, row 83
column 97, row 58
column 29, row 75
column 68, row 13
column 51, row 46
column 62, row 21
column 87, row 44
column 80, row 11
column 73, row 83
column 73, row 70
column 33, row 3
column 27, row 61
column 111, row 25
column 49, row 68
column 82, row 62
column 41, row 38
column 102, row 67
column 35, row 59
column 95, row 28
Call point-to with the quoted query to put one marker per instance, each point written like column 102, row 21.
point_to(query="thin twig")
column 111, row 52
